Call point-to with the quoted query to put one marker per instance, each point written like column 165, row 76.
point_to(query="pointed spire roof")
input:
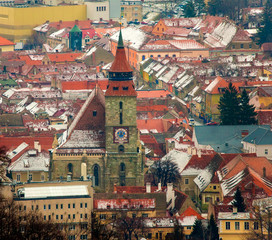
column 75, row 29
column 120, row 63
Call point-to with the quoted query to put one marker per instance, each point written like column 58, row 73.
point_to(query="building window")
column 18, row 177
column 69, row 205
column 104, row 8
column 237, row 225
column 120, row 105
column 61, row 216
column 121, row 118
column 121, row 149
column 97, row 9
column 81, row 215
column 57, row 217
column 42, row 177
column 30, row 177
column 143, row 57
column 72, row 237
column 214, row 187
column 69, row 216
column 70, row 168
column 84, row 226
column 94, row 113
column 57, row 206
column 86, row 215
column 102, row 216
column 145, row 215
column 233, row 46
column 207, row 199
column 49, row 206
column 189, row 227
column 74, row 216
column 246, row 225
column 186, row 181
column 96, row 175
column 250, row 45
column 242, row 45
column 74, row 205
column 266, row 151
column 227, row 225
column 256, row 225
column 113, row 216
column 86, row 205
column 61, row 206
column 149, row 236
column 83, row 236
column 49, row 217
column 44, row 217
column 44, row 207
column 81, row 205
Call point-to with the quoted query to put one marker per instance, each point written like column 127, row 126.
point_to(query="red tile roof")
column 5, row 42
column 121, row 88
column 120, row 63
column 83, row 85
column 64, row 57
column 152, row 108
column 241, row 36
column 152, row 93
column 265, row 116
column 86, row 24
column 191, row 212
column 134, row 189
column 161, row 125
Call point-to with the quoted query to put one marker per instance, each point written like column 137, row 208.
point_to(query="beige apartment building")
column 68, row 203
column 132, row 10
column 97, row 10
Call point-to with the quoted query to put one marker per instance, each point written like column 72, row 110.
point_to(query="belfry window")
column 121, row 105
column 96, row 175
column 121, row 118
column 70, row 168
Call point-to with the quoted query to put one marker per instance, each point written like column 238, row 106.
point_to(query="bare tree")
column 165, row 171
column 130, row 227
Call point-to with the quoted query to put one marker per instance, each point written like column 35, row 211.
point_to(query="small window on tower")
column 125, row 88
column 94, row 113
column 115, row 88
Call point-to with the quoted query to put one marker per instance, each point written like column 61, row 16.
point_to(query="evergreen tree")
column 214, row 7
column 200, row 6
column 189, row 10
column 239, row 201
column 265, row 32
column 229, row 107
column 213, row 229
column 247, row 114
column 198, row 232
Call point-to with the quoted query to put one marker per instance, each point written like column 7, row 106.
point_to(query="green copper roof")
column 75, row 29
column 120, row 40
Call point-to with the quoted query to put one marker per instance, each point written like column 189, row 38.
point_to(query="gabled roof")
column 241, row 36
column 191, row 212
column 5, row 42
column 75, row 29
column 261, row 136
column 63, row 57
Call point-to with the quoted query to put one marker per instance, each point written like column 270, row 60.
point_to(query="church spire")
column 120, row 69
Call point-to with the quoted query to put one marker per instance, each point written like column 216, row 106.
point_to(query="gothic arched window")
column 96, row 175
column 122, row 174
column 70, row 168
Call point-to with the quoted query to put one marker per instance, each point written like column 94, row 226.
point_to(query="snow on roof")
column 42, row 28
column 91, row 51
column 47, row 48
column 211, row 86
column 222, row 35
column 56, row 191
column 231, row 183
column 18, row 150
column 203, row 179
column 168, row 76
column 30, row 161
column 59, row 47
column 183, row 80
column 178, row 157
column 8, row 93
column 121, row 203
column 231, row 215
column 188, row 221
column 193, row 92
column 133, row 37
column 59, row 33
column 186, row 44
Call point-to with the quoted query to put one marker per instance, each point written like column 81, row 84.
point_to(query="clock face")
column 121, row 135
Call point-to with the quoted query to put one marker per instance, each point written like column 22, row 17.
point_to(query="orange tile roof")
column 152, row 93
column 5, row 42
column 86, row 24
column 64, row 57
column 213, row 87
column 83, row 85
column 191, row 212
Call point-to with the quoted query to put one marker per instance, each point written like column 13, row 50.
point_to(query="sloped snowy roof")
column 134, row 37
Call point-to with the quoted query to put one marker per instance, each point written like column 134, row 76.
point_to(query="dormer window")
column 94, row 113
column 125, row 88
column 115, row 88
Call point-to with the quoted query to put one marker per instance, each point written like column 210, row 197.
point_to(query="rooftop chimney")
column 148, row 187
column 159, row 186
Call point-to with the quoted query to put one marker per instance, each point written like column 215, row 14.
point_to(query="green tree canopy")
column 212, row 229
column 189, row 10
column 229, row 106
column 239, row 201
column 198, row 232
column 247, row 114
column 265, row 31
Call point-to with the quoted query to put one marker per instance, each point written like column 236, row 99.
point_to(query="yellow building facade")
column 16, row 24
column 132, row 10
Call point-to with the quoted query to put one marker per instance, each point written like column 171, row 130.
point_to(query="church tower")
column 124, row 162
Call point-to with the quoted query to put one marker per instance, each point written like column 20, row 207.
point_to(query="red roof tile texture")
column 5, row 42
column 120, row 63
